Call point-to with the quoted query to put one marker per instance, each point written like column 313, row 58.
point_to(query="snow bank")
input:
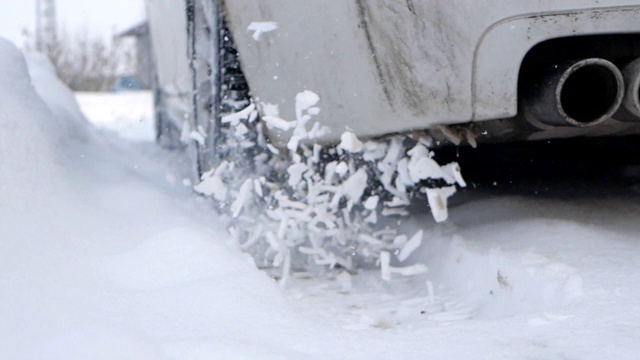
column 99, row 343
column 32, row 210
column 172, row 257
column 95, row 259
column 50, row 88
column 68, row 122
column 28, row 168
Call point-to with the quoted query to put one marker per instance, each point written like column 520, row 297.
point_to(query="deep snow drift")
column 106, row 255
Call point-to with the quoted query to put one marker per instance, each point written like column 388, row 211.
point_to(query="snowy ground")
column 107, row 256
column 129, row 114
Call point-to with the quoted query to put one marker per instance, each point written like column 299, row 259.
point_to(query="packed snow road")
column 107, row 255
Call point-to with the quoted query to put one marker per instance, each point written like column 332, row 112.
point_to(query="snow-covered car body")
column 386, row 66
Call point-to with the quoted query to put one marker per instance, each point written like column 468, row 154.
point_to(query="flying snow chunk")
column 356, row 184
column 274, row 122
column 261, row 27
column 372, row 202
column 438, row 202
column 185, row 132
column 306, row 100
column 314, row 111
column 197, row 136
column 295, row 173
column 417, row 269
column 349, row 142
column 235, row 118
column 410, row 246
column 453, row 169
column 385, row 267
column 241, row 130
column 212, row 186
column 427, row 168
column 342, row 168
column 243, row 196
column 269, row 109
column 317, row 130
column 353, row 189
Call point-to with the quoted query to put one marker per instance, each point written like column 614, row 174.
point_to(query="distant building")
column 144, row 65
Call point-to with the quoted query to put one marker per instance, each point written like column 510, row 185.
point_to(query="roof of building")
column 135, row 31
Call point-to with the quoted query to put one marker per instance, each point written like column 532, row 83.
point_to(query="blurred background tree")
column 82, row 61
column 87, row 63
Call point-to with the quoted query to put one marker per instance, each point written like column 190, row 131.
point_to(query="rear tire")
column 219, row 88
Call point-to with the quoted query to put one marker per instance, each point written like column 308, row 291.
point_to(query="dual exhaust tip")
column 583, row 93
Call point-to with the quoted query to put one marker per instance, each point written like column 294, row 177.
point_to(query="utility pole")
column 46, row 25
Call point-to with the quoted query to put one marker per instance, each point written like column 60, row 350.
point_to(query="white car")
column 458, row 71
column 352, row 94
column 519, row 69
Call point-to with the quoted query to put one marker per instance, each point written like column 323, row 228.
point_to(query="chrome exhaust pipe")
column 630, row 109
column 578, row 93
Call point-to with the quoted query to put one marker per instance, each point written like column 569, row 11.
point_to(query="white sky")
column 97, row 17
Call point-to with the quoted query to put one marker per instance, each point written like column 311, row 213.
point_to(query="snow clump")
column 261, row 27
column 314, row 207
column 27, row 167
